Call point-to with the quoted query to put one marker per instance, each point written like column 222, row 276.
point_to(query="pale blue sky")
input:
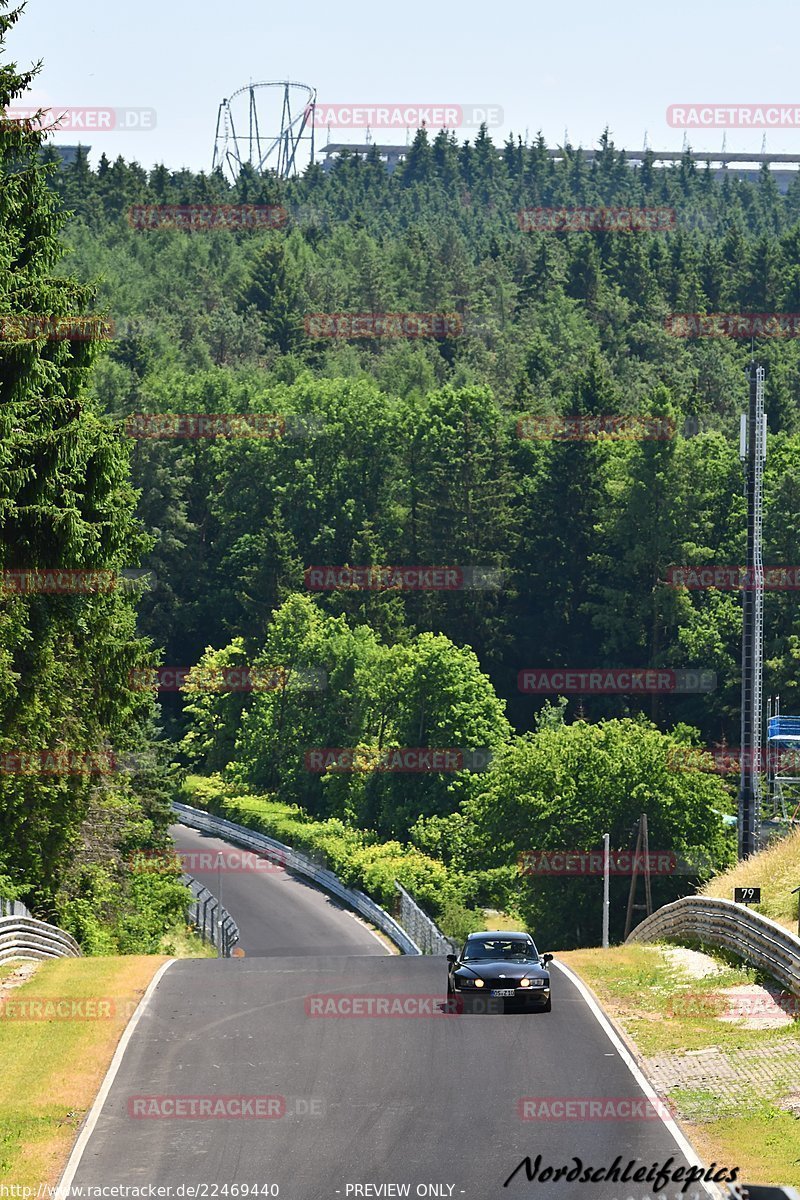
column 578, row 65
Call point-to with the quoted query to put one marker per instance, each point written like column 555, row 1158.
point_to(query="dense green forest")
column 386, row 450
column 416, row 457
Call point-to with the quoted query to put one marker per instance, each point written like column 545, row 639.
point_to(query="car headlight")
column 534, row 983
column 525, row 982
column 468, row 981
column 478, row 983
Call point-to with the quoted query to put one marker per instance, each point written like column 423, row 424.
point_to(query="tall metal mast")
column 752, row 451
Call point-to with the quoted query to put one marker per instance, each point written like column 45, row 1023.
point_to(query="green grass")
column 51, row 1069
column 182, row 943
column 501, row 921
column 776, row 871
column 665, row 1012
column 762, row 1140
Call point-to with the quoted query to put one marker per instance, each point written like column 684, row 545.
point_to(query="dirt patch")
column 753, row 1006
column 17, row 976
column 792, row 1104
column 692, row 962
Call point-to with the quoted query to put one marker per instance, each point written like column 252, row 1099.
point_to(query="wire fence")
column 419, row 926
column 210, row 919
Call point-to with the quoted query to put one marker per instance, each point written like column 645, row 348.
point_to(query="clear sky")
column 574, row 66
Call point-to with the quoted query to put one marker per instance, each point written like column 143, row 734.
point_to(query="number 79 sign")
column 747, row 895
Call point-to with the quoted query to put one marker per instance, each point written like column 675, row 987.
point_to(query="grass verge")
column 52, row 1067
column 776, row 871
column 727, row 1083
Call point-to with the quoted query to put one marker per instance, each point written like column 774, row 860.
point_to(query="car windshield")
column 513, row 949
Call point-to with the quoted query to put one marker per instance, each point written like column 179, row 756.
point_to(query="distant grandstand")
column 783, row 167
column 68, row 154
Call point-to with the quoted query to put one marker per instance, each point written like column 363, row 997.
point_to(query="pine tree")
column 65, row 502
column 275, row 294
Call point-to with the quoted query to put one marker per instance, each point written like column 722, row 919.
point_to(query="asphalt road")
column 277, row 913
column 428, row 1102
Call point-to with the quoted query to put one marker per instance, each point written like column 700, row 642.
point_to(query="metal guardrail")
column 759, row 941
column 298, row 863
column 211, row 920
column 25, row 937
column 425, row 932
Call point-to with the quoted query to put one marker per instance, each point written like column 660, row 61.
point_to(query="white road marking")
column 685, row 1147
column 65, row 1182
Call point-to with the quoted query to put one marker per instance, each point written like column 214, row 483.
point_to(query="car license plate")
column 502, row 992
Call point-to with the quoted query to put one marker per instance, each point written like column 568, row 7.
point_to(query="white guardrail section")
column 298, row 863
column 759, row 941
column 25, row 937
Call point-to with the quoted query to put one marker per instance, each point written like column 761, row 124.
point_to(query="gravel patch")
column 692, row 962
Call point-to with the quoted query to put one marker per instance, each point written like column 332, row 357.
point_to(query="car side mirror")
column 452, row 958
column 546, row 958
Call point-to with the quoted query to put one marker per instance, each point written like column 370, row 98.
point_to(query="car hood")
column 501, row 967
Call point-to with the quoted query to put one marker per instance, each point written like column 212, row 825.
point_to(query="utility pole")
column 641, row 859
column 753, row 452
column 606, row 873
column 220, row 951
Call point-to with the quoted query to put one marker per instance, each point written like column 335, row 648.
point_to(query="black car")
column 499, row 965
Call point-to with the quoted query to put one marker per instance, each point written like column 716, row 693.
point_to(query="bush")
column 456, row 920
column 354, row 855
column 128, row 917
